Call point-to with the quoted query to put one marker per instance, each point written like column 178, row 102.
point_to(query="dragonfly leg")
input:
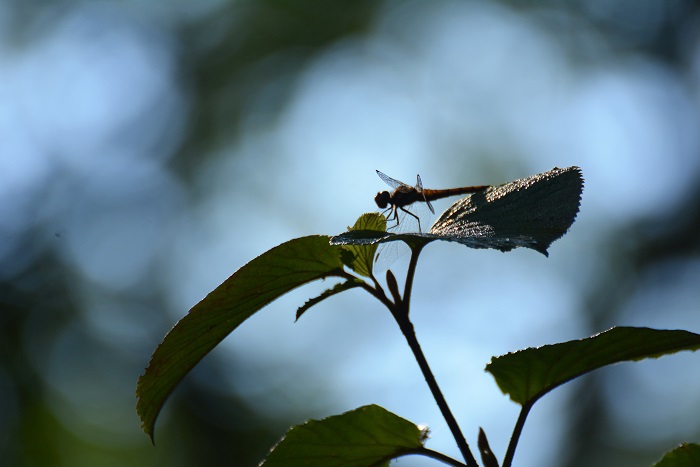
column 410, row 214
column 393, row 216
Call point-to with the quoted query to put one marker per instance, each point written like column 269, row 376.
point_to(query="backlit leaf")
column 362, row 258
column 367, row 436
column 685, row 455
column 528, row 374
column 255, row 285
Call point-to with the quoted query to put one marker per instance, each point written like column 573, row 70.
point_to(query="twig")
column 517, row 430
column 400, row 312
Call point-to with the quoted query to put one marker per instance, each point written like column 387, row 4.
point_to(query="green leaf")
column 336, row 289
column 528, row 374
column 362, row 258
column 530, row 212
column 685, row 455
column 367, row 436
column 256, row 284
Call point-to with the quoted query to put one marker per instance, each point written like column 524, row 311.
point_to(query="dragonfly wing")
column 419, row 188
column 430, row 206
column 390, row 181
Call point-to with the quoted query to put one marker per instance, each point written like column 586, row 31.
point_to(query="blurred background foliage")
column 148, row 150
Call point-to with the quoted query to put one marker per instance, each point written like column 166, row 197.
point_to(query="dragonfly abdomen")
column 431, row 195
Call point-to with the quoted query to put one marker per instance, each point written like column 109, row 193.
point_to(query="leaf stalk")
column 400, row 311
column 517, row 431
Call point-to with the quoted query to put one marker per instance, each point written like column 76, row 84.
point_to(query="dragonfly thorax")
column 382, row 199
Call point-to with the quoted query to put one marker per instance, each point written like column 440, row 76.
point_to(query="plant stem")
column 410, row 274
column 408, row 332
column 400, row 312
column 434, row 455
column 517, row 430
column 375, row 291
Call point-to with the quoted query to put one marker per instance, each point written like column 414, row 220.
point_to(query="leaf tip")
column 147, row 424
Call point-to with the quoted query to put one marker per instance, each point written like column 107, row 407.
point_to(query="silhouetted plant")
column 531, row 212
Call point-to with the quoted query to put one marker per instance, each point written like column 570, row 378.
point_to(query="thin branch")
column 408, row 288
column 409, row 333
column 434, row 455
column 517, row 431
column 377, row 291
column 400, row 312
column 374, row 279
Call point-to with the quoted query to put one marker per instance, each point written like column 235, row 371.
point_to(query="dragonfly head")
column 382, row 199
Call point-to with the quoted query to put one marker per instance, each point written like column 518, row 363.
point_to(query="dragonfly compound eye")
column 382, row 199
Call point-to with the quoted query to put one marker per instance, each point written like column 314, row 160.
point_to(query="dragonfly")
column 405, row 195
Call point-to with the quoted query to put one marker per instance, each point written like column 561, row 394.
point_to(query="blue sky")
column 94, row 109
